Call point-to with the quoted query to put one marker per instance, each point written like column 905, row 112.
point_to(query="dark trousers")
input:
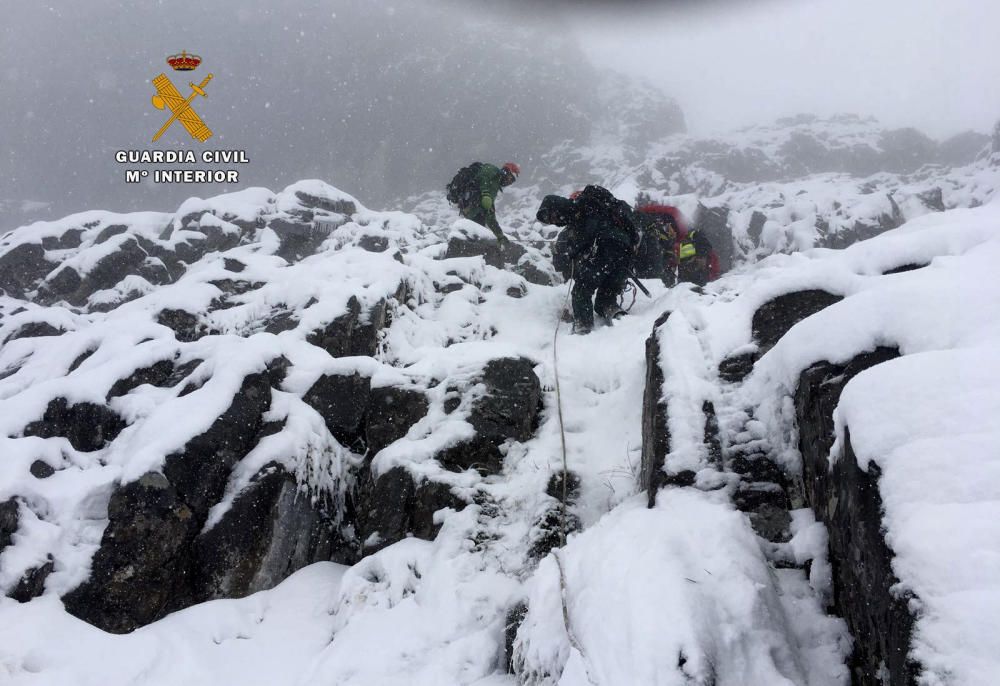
column 693, row 270
column 605, row 274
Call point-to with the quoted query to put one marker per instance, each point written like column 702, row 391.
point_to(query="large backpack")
column 563, row 252
column 463, row 187
column 599, row 201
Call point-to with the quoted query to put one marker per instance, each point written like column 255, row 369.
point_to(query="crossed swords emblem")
column 168, row 96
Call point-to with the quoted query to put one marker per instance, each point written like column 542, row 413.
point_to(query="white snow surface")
column 670, row 595
column 673, row 595
column 940, row 486
column 927, row 419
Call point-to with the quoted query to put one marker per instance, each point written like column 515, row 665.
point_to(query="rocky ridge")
column 248, row 334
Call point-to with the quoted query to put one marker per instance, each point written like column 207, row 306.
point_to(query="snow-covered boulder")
column 249, row 413
column 860, row 383
column 706, row 612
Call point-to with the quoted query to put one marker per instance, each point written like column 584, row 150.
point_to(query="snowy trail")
column 602, row 379
column 686, row 595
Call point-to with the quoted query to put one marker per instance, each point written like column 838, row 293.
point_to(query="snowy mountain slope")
column 474, row 571
column 386, row 97
column 284, row 379
column 913, row 434
column 799, row 183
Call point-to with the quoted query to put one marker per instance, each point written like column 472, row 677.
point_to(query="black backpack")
column 462, row 188
column 599, row 201
column 563, row 252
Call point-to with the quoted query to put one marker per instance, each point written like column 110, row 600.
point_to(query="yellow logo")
column 168, row 96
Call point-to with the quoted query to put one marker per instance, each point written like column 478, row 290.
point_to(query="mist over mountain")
column 334, row 433
column 385, row 99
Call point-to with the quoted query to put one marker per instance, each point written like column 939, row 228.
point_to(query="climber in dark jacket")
column 477, row 200
column 656, row 257
column 596, row 248
column 697, row 261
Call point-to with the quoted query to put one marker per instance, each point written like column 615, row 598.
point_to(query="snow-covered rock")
column 312, row 381
column 868, row 376
column 208, row 435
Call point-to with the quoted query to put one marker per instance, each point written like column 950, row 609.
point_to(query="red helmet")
column 575, row 194
column 513, row 168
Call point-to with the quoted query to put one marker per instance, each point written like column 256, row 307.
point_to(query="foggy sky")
column 931, row 64
column 385, row 98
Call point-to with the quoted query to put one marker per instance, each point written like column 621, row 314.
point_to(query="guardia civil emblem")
column 168, row 97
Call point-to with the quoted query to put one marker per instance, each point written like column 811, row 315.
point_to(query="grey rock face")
column 847, row 499
column 146, row 566
column 512, row 622
column 110, row 231
column 155, row 375
column 494, row 253
column 768, row 505
column 272, row 530
column 22, row 267
column 116, row 266
column 549, row 528
column 905, row 150
column 87, row 426
column 773, row 319
column 655, row 427
column 863, row 230
column 34, row 330
column 199, row 472
column 736, row 368
column 534, row 271
column 963, row 148
column 390, row 414
column 354, row 333
column 41, row 469
column 513, row 397
column 341, row 400
column 395, row 505
column 477, row 453
column 338, row 206
column 32, row 583
column 185, row 325
column 140, row 568
column 71, row 238
column 508, row 410
column 10, row 516
column 63, row 282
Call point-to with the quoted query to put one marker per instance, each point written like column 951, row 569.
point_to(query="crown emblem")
column 184, row 61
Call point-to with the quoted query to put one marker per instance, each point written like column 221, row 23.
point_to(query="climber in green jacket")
column 475, row 188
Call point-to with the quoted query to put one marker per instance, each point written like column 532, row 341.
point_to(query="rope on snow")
column 567, row 624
